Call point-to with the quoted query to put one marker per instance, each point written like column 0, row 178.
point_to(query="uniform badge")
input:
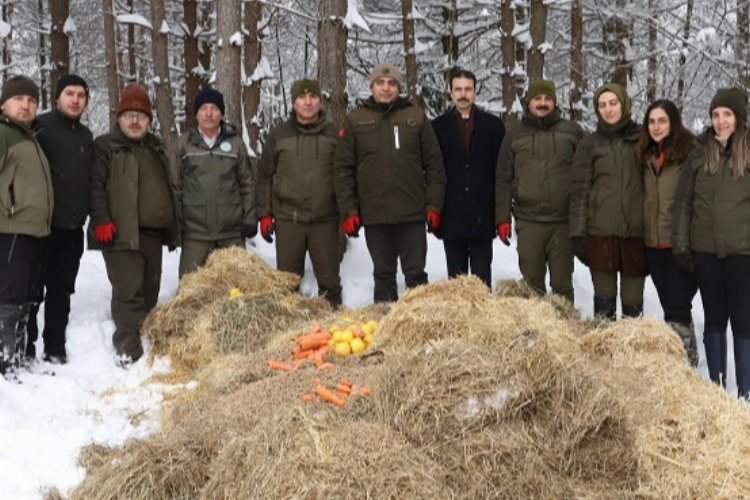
column 225, row 146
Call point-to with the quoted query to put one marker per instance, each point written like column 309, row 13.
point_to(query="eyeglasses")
column 131, row 116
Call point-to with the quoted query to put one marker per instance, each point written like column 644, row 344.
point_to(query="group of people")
column 627, row 200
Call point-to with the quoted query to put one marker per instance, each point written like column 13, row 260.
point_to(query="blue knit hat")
column 208, row 95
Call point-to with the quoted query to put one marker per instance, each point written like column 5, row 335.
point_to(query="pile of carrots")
column 343, row 390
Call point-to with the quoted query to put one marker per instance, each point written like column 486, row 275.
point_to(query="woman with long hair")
column 711, row 232
column 663, row 147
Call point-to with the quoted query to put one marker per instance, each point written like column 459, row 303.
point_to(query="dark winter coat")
column 214, row 187
column 468, row 211
column 606, row 196
column 295, row 172
column 114, row 189
column 534, row 169
column 712, row 211
column 26, row 193
column 69, row 147
column 388, row 168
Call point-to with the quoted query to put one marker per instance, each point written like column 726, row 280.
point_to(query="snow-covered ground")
column 56, row 410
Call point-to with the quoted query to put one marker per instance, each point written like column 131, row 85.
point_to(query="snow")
column 5, row 29
column 69, row 27
column 262, row 70
column 236, row 39
column 136, row 19
column 164, row 30
column 54, row 411
column 353, row 17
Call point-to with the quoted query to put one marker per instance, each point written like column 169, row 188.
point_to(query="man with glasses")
column 133, row 213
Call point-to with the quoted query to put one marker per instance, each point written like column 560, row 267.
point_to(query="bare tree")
column 43, row 89
column 615, row 33
column 686, row 27
column 228, row 74
column 251, row 88
column 508, row 49
column 160, row 54
column 577, row 81
column 450, row 39
column 7, row 58
column 332, row 36
column 652, row 53
column 190, row 41
column 132, row 64
column 410, row 56
column 538, row 32
column 110, row 53
column 59, row 43
column 743, row 42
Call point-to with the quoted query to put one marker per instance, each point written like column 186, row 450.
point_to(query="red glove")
column 105, row 233
column 351, row 226
column 266, row 228
column 503, row 232
column 433, row 221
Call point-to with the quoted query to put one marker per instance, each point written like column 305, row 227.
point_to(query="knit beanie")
column 67, row 80
column 624, row 99
column 19, row 85
column 209, row 95
column 134, row 97
column 537, row 87
column 732, row 98
column 304, row 86
column 386, row 70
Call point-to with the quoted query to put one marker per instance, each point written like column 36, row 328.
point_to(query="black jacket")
column 469, row 209
column 69, row 148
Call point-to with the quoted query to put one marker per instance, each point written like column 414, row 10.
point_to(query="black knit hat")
column 732, row 98
column 305, row 86
column 19, row 85
column 209, row 95
column 67, row 80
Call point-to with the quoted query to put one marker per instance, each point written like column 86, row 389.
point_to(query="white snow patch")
column 136, row 19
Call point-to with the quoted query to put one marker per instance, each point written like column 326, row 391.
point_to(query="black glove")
column 580, row 249
column 684, row 260
column 249, row 230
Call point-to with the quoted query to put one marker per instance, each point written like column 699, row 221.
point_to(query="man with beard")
column 533, row 183
column 470, row 141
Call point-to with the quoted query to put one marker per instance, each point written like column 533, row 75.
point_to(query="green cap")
column 305, row 86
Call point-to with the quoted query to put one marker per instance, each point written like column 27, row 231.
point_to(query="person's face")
column 610, row 108
column 306, row 107
column 72, row 101
column 541, row 105
column 21, row 108
column 384, row 89
column 723, row 121
column 659, row 126
column 134, row 124
column 209, row 118
column 463, row 94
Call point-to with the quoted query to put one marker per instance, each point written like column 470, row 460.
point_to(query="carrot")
column 325, row 350
column 342, row 394
column 296, row 349
column 313, row 342
column 315, row 329
column 326, row 366
column 302, row 355
column 355, row 390
column 365, row 391
column 343, row 388
column 307, row 398
column 318, row 359
column 278, row 365
column 327, row 395
column 346, row 382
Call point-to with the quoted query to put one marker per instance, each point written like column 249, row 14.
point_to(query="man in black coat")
column 68, row 145
column 470, row 141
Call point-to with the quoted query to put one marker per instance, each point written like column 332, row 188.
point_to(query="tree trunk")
column 577, row 82
column 205, row 49
column 132, row 64
column 7, row 58
column 519, row 78
column 410, row 56
column 538, row 32
column 332, row 35
column 190, row 41
column 614, row 34
column 743, row 42
column 652, row 51
column 251, row 88
column 43, row 71
column 508, row 49
column 683, row 54
column 162, row 84
column 450, row 40
column 228, row 74
column 110, row 55
column 59, row 44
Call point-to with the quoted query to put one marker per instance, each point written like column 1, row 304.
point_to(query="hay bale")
column 630, row 339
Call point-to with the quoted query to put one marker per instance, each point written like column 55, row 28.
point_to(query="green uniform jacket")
column 606, row 197
column 295, row 172
column 114, row 189
column 26, row 194
column 712, row 212
column 388, row 167
column 215, row 187
column 533, row 169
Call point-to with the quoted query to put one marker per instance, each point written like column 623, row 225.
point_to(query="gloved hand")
column 266, row 228
column 106, row 233
column 580, row 249
column 248, row 230
column 684, row 260
column 503, row 232
column 433, row 221
column 351, row 226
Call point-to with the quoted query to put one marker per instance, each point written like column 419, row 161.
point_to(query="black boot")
column 716, row 356
column 687, row 334
column 22, row 335
column 10, row 316
column 635, row 311
column 605, row 307
column 742, row 366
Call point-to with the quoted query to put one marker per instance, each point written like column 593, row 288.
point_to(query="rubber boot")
column 687, row 334
column 716, row 356
column 605, row 307
column 635, row 311
column 742, row 366
column 10, row 316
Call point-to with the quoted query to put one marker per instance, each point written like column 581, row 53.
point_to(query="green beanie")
column 304, row 86
column 732, row 98
column 537, row 87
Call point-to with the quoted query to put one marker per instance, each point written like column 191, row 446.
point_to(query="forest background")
column 253, row 50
